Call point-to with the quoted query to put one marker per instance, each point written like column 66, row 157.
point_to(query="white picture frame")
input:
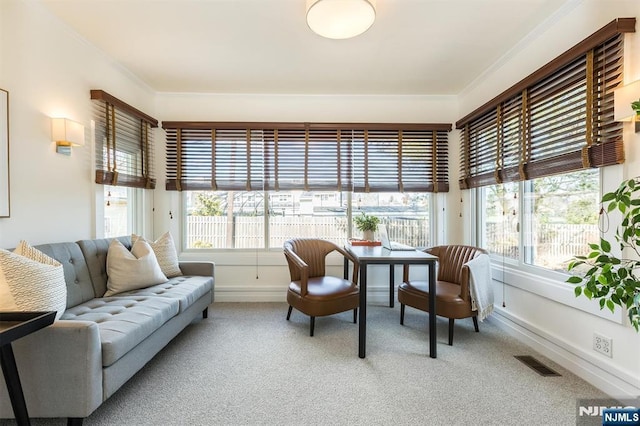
column 5, row 210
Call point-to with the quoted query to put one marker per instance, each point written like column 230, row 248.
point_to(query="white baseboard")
column 609, row 379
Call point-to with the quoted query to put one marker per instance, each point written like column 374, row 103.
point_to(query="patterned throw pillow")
column 165, row 251
column 131, row 270
column 31, row 281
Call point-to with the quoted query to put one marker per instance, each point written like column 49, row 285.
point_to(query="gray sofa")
column 70, row 368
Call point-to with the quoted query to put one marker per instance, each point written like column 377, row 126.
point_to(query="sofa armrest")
column 205, row 269
column 60, row 370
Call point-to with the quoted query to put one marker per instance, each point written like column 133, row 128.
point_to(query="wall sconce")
column 622, row 99
column 66, row 133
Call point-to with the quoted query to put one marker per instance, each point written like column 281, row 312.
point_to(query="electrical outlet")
column 602, row 344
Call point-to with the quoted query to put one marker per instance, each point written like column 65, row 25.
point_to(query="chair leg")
column 401, row 314
column 451, row 321
column 289, row 313
column 355, row 315
column 312, row 325
column 475, row 323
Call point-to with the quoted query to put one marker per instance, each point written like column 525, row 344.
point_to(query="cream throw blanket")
column 480, row 285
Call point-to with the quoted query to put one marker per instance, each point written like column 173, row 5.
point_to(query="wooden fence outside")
column 554, row 245
column 248, row 231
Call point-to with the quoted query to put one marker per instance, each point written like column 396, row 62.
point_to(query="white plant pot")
column 367, row 235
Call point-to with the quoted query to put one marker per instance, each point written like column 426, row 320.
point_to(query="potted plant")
column 610, row 279
column 368, row 224
column 636, row 107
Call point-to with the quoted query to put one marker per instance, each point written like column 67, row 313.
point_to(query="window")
column 561, row 215
column 500, row 205
column 123, row 163
column 247, row 219
column 124, row 143
column 275, row 181
column 534, row 150
column 556, row 215
column 120, row 206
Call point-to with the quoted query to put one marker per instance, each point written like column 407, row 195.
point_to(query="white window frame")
column 541, row 281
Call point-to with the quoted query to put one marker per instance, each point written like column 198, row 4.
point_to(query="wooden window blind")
column 307, row 156
column 557, row 120
column 124, row 143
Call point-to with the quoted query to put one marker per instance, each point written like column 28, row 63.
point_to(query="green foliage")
column 609, row 279
column 636, row 106
column 366, row 222
column 581, row 211
column 207, row 205
column 202, row 244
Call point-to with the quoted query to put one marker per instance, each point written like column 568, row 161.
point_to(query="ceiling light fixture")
column 340, row 19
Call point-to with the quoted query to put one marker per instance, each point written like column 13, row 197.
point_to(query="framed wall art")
column 4, row 153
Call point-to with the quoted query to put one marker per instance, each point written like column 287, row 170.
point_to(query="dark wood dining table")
column 378, row 255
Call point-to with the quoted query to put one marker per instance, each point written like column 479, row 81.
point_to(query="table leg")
column 346, row 269
column 432, row 311
column 392, row 284
column 14, row 388
column 362, row 319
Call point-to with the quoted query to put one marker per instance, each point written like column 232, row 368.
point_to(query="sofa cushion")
column 95, row 255
column 31, row 281
column 184, row 289
column 124, row 322
column 130, row 270
column 76, row 274
column 165, row 251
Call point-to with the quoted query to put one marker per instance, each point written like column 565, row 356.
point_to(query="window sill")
column 552, row 289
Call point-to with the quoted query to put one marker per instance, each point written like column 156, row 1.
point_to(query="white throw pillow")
column 165, row 251
column 31, row 281
column 131, row 270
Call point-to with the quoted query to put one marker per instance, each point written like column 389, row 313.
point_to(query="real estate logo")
column 607, row 412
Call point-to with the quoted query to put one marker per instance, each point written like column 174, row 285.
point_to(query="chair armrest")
column 464, row 284
column 66, row 355
column 296, row 264
column 205, row 269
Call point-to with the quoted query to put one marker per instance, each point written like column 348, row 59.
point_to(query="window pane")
column 299, row 214
column 118, row 203
column 501, row 212
column 236, row 220
column 564, row 218
column 406, row 215
column 224, row 219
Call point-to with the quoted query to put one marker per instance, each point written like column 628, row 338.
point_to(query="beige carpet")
column 246, row 365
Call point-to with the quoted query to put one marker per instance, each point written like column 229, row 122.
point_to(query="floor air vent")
column 536, row 365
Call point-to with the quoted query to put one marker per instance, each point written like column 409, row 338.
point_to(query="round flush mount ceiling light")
column 340, row 19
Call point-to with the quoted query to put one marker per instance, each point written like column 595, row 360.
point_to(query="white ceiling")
column 264, row 46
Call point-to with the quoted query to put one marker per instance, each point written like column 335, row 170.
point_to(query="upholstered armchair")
column 453, row 299
column 311, row 291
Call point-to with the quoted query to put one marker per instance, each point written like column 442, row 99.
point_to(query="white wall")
column 48, row 71
column 561, row 331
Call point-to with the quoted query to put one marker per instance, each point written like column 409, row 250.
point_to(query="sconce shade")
column 66, row 133
column 622, row 99
column 340, row 19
